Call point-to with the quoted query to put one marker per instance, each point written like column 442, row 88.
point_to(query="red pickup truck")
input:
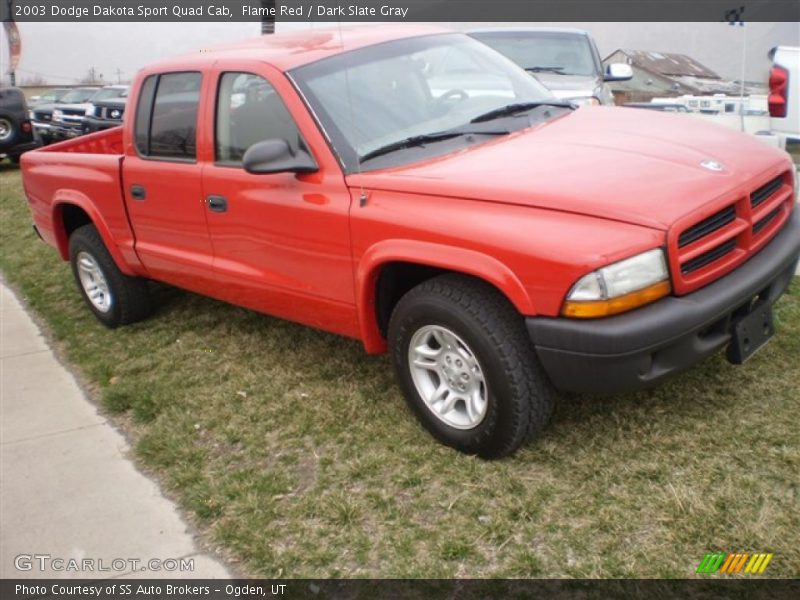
column 416, row 190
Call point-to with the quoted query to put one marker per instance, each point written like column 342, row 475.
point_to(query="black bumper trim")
column 639, row 348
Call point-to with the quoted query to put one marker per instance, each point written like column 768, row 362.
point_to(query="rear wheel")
column 114, row 298
column 6, row 130
column 467, row 368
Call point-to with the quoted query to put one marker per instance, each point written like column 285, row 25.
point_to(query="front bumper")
column 62, row 131
column 42, row 129
column 639, row 348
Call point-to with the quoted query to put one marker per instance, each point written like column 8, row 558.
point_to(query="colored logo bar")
column 739, row 562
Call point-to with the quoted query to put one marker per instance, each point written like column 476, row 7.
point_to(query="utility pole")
column 267, row 17
column 119, row 75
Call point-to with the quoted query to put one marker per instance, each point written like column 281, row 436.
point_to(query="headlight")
column 620, row 287
column 585, row 101
column 58, row 115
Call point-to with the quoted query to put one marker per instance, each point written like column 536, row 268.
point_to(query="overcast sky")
column 64, row 52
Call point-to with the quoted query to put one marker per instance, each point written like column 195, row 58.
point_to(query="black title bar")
column 400, row 10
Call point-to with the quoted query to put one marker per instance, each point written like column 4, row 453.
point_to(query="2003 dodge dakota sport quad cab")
column 416, row 190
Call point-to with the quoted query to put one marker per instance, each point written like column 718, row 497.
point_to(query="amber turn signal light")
column 594, row 309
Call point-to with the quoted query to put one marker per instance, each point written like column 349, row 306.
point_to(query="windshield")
column 371, row 98
column 108, row 93
column 557, row 52
column 51, row 96
column 78, row 96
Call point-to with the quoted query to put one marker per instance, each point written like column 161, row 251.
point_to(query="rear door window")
column 166, row 117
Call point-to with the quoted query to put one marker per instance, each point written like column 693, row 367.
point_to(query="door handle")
column 217, row 203
column 137, row 192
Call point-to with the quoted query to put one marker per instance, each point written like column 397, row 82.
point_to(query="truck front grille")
column 766, row 220
column 707, row 226
column 708, row 257
column 712, row 246
column 765, row 191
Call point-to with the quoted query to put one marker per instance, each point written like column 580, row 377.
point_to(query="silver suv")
column 565, row 60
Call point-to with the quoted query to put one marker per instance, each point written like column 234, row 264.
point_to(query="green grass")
column 293, row 450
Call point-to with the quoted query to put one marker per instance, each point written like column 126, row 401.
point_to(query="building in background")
column 669, row 74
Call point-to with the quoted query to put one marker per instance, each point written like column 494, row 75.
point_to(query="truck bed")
column 81, row 175
column 101, row 142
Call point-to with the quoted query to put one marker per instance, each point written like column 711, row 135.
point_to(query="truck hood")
column 623, row 164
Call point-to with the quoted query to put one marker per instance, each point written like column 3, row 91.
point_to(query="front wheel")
column 467, row 368
column 114, row 298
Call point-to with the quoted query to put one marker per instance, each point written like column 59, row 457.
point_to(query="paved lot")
column 67, row 488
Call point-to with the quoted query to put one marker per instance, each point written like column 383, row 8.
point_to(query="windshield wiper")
column 556, row 70
column 510, row 109
column 425, row 138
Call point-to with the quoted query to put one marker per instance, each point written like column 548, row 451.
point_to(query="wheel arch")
column 71, row 210
column 415, row 261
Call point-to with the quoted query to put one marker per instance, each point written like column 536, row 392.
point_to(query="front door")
column 281, row 241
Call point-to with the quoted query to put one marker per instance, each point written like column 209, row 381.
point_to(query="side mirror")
column 275, row 156
column 618, row 72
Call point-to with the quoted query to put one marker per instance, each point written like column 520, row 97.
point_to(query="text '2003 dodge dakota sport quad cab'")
column 418, row 191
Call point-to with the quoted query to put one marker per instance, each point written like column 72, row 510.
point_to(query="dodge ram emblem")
column 711, row 165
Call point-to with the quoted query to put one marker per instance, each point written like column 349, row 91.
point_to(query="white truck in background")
column 784, row 93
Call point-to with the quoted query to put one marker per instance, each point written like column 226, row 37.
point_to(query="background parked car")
column 68, row 118
column 16, row 131
column 48, row 97
column 565, row 60
column 43, row 113
column 105, row 113
column 659, row 106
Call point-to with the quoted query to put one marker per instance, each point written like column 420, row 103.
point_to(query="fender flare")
column 451, row 258
column 76, row 198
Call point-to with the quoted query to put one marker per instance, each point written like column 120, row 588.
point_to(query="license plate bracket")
column 750, row 332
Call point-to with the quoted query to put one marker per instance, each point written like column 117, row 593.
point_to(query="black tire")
column 9, row 128
column 520, row 399
column 129, row 296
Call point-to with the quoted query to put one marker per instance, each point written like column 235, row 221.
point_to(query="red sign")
column 14, row 44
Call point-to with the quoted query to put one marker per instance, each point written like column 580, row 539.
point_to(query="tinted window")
column 78, row 96
column 249, row 110
column 564, row 53
column 143, row 111
column 173, row 126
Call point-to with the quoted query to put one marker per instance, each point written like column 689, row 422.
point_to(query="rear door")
column 163, row 184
